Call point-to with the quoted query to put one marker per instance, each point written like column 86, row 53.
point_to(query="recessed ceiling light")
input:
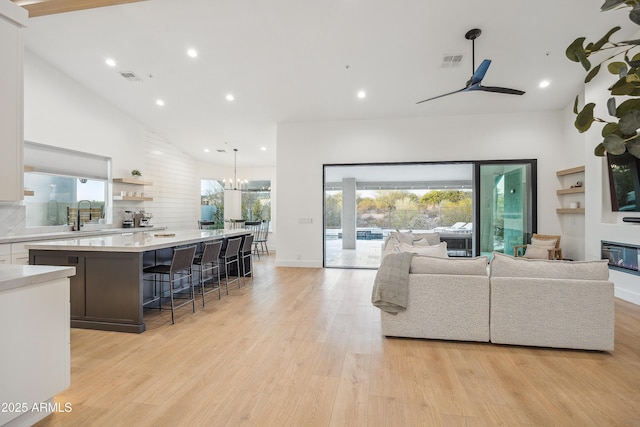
column 229, row 97
column 159, row 102
column 362, row 94
column 192, row 53
column 110, row 62
column 544, row 83
column 206, row 150
column 263, row 148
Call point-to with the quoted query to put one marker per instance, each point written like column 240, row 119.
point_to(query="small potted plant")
column 136, row 174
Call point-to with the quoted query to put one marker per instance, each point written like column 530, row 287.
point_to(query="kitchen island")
column 35, row 353
column 108, row 290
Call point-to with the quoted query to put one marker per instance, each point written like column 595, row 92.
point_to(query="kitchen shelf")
column 131, row 181
column 133, row 199
column 573, row 190
column 570, row 171
column 570, row 210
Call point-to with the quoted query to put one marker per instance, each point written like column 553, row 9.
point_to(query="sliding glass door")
column 506, row 204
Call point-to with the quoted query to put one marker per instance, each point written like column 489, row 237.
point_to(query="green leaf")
column 592, row 74
column 610, row 128
column 611, row 106
column 614, row 145
column 615, row 67
column 576, row 53
column 634, row 15
column 600, row 150
column 584, row 119
column 598, row 45
column 626, row 106
column 630, row 42
column 629, row 122
column 633, row 147
column 610, row 4
column 575, row 104
column 622, row 87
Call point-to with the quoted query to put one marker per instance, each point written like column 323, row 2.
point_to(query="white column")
column 348, row 213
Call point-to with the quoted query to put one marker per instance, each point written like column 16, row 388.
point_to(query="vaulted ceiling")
column 303, row 60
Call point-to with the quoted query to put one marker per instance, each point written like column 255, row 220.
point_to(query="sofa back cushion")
column 507, row 266
column 439, row 250
column 457, row 266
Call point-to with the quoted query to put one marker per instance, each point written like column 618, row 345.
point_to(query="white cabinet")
column 12, row 19
column 19, row 254
column 35, row 319
column 5, row 254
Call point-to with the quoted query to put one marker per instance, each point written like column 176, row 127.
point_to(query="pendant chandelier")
column 234, row 183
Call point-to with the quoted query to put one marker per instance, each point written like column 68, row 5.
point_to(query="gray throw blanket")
column 391, row 285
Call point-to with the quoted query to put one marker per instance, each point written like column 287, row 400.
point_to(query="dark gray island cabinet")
column 108, row 290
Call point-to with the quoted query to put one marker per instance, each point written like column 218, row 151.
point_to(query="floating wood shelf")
column 133, row 198
column 577, row 169
column 570, row 210
column 570, row 190
column 29, row 193
column 29, row 168
column 132, row 181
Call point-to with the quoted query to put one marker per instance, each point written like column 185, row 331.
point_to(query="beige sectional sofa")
column 448, row 299
column 551, row 303
column 542, row 303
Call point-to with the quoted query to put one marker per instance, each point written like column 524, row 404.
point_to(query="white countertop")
column 19, row 238
column 15, row 276
column 135, row 242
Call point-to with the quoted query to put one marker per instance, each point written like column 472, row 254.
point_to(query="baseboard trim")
column 298, row 263
column 624, row 294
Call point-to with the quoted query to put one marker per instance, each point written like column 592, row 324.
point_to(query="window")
column 212, row 202
column 256, row 201
column 67, row 186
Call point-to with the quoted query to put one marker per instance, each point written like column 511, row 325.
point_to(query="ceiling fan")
column 475, row 82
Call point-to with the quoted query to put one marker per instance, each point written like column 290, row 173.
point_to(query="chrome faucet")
column 79, row 203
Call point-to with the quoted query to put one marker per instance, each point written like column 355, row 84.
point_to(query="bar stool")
column 245, row 256
column 207, row 262
column 231, row 256
column 176, row 272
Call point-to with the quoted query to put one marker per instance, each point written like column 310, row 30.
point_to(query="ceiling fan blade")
column 500, row 90
column 440, row 96
column 478, row 75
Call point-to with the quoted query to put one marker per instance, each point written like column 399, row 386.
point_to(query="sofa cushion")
column 439, row 250
column 547, row 243
column 399, row 237
column 426, row 239
column 421, row 264
column 537, row 252
column 507, row 266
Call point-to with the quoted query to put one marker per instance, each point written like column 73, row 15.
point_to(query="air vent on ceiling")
column 221, row 150
column 131, row 76
column 451, row 60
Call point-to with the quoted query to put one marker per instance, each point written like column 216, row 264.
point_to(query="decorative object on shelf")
column 619, row 133
column 234, row 184
column 577, row 185
column 136, row 174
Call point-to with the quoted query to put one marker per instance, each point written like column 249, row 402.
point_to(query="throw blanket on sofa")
column 391, row 285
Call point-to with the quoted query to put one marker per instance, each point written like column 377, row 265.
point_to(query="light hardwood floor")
column 303, row 347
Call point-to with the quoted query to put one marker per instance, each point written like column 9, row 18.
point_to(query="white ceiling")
column 302, row 60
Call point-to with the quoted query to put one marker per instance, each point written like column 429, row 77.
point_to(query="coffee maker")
column 143, row 219
column 128, row 221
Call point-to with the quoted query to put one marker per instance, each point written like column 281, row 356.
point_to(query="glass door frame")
column 533, row 164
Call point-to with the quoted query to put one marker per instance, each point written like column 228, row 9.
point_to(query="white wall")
column 61, row 112
column 601, row 222
column 304, row 147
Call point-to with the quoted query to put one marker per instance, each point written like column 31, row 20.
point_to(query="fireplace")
column 622, row 256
